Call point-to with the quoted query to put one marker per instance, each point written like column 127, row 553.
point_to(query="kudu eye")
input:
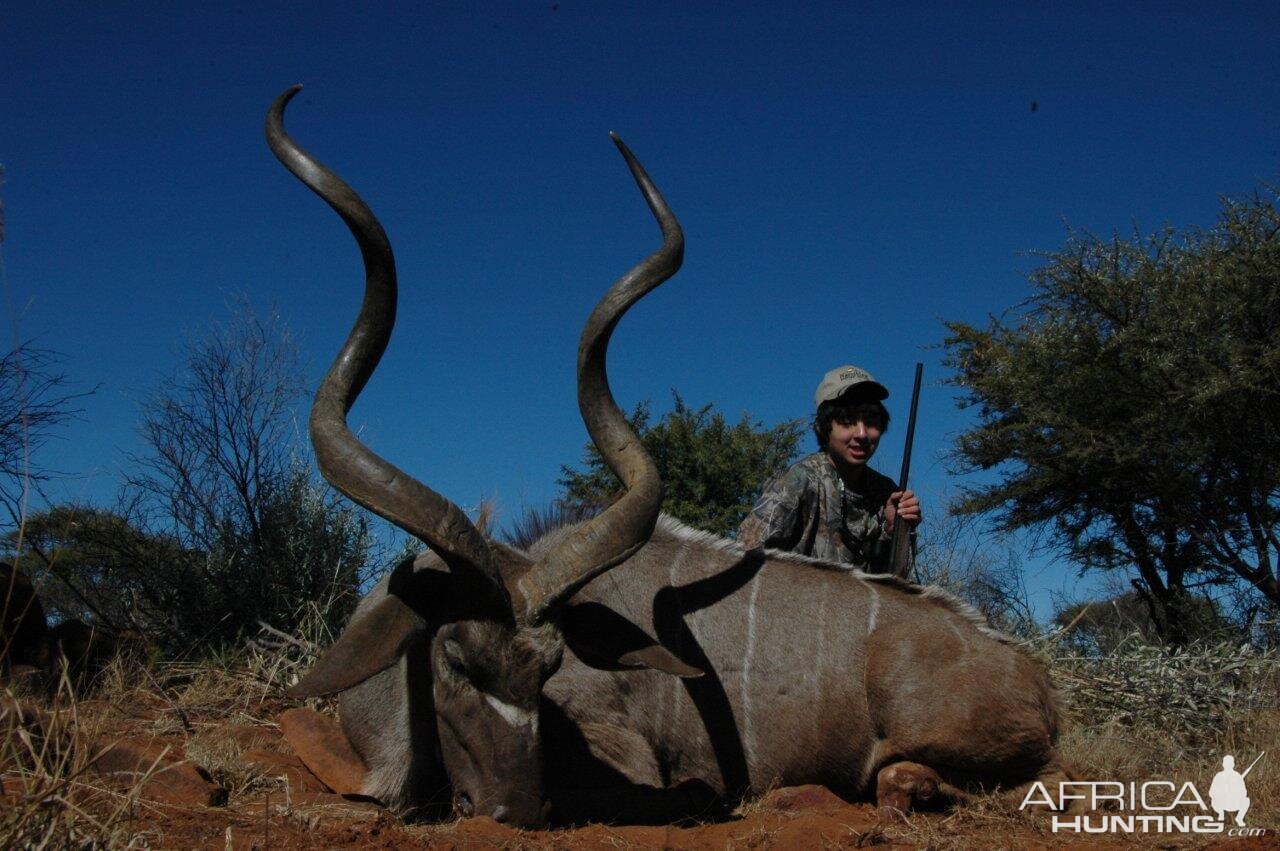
column 453, row 657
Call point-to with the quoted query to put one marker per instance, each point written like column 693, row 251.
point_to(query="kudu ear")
column 370, row 644
column 605, row 639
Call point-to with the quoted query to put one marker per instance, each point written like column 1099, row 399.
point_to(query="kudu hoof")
column 906, row 786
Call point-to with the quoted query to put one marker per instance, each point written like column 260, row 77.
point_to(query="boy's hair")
column 845, row 408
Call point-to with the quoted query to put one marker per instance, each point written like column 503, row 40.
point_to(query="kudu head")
column 490, row 614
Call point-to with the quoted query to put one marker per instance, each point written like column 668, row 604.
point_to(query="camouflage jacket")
column 809, row 510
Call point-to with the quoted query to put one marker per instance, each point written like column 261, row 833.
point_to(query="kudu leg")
column 907, row 786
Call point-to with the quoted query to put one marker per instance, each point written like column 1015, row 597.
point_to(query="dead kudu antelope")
column 494, row 676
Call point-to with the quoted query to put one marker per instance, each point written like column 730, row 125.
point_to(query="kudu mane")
column 670, row 529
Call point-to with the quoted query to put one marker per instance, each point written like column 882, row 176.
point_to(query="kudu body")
column 489, row 674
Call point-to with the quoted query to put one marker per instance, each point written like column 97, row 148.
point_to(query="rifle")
column 901, row 560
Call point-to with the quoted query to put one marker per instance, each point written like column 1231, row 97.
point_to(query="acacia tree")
column 1132, row 408
column 1099, row 627
column 93, row 564
column 711, row 471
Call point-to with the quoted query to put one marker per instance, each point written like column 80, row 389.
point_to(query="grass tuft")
column 1144, row 712
column 51, row 797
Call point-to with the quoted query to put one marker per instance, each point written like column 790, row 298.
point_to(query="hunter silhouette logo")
column 1227, row 793
column 1152, row 806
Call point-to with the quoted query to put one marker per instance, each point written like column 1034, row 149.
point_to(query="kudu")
column 690, row 665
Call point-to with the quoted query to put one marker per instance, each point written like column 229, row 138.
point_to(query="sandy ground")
column 255, row 792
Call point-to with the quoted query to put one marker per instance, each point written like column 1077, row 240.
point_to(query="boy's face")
column 855, row 436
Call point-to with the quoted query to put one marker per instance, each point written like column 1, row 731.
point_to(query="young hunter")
column 831, row 505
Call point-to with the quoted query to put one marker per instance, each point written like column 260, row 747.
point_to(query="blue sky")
column 848, row 175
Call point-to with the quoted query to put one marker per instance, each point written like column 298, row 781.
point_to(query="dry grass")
column 1145, row 713
column 1116, row 751
column 1195, row 693
column 755, row 805
column 275, row 660
column 1150, row 713
column 238, row 685
column 993, row 819
column 52, row 797
column 219, row 753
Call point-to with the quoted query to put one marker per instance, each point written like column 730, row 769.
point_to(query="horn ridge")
column 348, row 464
column 610, row 538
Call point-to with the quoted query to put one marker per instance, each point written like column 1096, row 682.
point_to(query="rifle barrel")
column 900, row 558
column 911, row 429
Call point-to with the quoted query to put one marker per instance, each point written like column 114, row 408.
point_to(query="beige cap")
column 840, row 380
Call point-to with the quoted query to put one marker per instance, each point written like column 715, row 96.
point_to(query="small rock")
column 323, row 748
column 846, row 829
column 611, row 836
column 290, row 767
column 798, row 798
column 171, row 781
column 485, row 828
